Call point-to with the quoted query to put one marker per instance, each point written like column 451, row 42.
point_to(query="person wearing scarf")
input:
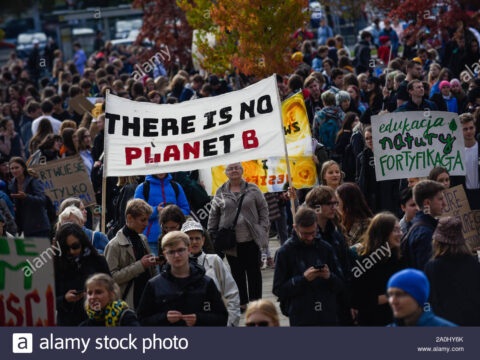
column 103, row 306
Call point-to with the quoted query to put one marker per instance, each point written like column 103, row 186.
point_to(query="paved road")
column 267, row 277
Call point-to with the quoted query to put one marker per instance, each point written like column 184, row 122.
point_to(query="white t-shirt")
column 471, row 167
column 55, row 124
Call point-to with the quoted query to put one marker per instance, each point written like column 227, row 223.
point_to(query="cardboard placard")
column 80, row 104
column 412, row 143
column 457, row 206
column 66, row 178
column 27, row 282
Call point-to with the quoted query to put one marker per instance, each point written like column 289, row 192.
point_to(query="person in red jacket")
column 384, row 49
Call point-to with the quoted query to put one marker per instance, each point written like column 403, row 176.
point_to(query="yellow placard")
column 270, row 175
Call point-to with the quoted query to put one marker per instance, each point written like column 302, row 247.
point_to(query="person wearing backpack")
column 416, row 244
column 158, row 191
column 328, row 121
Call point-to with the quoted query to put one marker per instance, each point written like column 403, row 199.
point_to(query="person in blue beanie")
column 407, row 292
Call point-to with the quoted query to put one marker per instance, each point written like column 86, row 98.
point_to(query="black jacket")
column 308, row 303
column 362, row 55
column 380, row 195
column 455, row 288
column 30, row 213
column 368, row 284
column 196, row 294
column 72, row 276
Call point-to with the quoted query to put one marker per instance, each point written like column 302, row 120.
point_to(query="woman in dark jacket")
column 343, row 137
column 380, row 195
column 29, row 199
column 103, row 304
column 75, row 260
column 48, row 150
column 454, row 275
column 379, row 260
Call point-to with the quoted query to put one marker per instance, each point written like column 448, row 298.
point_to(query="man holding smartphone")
column 303, row 281
column 128, row 254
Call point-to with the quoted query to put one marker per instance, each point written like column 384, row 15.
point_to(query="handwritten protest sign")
column 65, row 178
column 410, row 144
column 27, row 282
column 270, row 174
column 145, row 138
column 80, row 104
column 457, row 206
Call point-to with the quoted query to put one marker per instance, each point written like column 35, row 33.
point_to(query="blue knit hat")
column 412, row 281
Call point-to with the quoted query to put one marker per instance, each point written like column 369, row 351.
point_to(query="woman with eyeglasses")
column 251, row 230
column 261, row 313
column 181, row 295
column 29, row 199
column 75, row 260
column 379, row 258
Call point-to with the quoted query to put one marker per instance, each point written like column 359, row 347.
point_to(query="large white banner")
column 412, row 143
column 144, row 138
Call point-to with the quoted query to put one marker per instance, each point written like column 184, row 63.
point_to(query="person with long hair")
column 70, row 142
column 380, row 249
column 75, row 260
column 103, row 304
column 48, row 150
column 343, row 137
column 331, row 174
column 457, row 91
column 355, row 215
column 433, row 74
column 440, row 175
column 11, row 143
column 356, row 96
column 29, row 199
column 84, row 146
column 261, row 313
column 454, row 295
column 44, row 128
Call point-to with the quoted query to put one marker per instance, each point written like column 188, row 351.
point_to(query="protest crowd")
column 354, row 250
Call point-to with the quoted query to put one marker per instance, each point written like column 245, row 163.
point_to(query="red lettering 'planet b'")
column 250, row 140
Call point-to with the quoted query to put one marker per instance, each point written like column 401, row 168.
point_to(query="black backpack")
column 146, row 189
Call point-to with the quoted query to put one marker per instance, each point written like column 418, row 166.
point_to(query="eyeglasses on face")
column 234, row 168
column 172, row 253
column 75, row 246
column 259, row 323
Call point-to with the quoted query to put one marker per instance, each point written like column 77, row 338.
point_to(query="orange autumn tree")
column 255, row 37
